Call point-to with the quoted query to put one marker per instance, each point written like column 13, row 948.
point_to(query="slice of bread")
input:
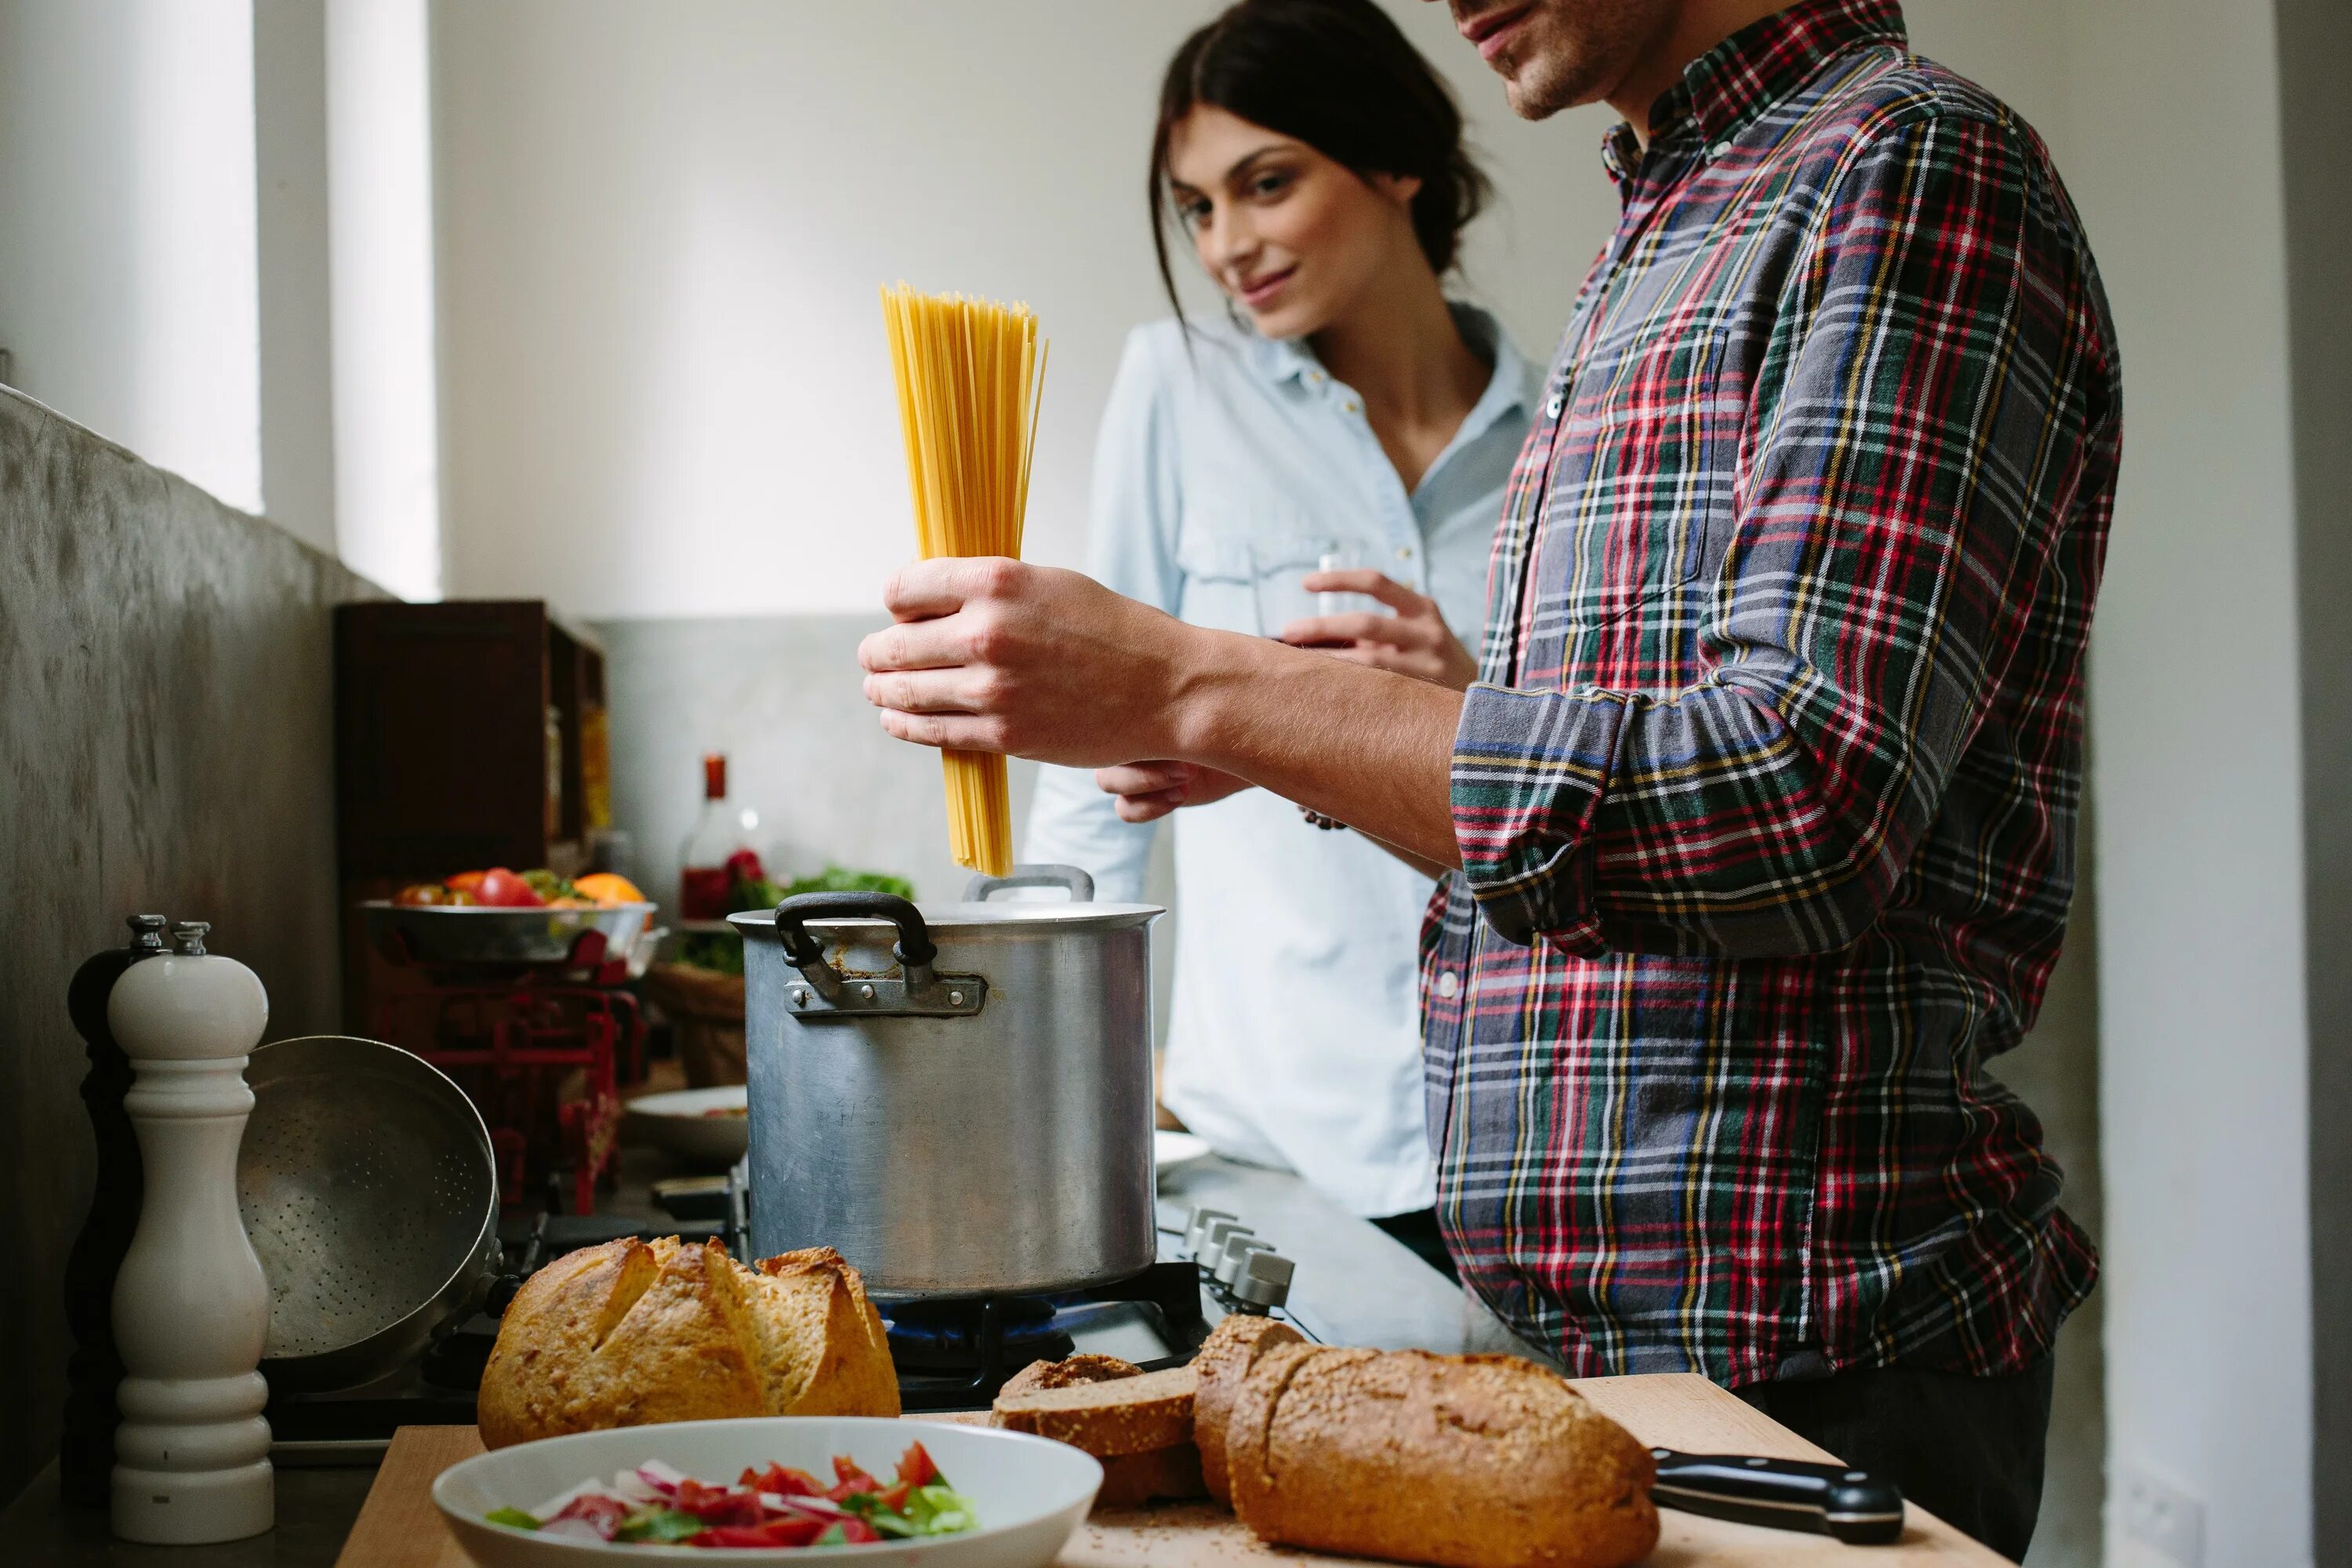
column 1226, row 1359
column 1126, row 1415
column 1083, row 1368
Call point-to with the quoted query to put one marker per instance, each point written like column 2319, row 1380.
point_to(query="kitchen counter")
column 1354, row 1285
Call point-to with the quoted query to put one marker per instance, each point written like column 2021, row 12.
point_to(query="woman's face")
column 1295, row 238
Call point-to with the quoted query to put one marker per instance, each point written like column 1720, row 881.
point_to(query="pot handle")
column 1081, row 886
column 914, row 951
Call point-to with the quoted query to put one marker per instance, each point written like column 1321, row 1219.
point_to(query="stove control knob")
column 1238, row 1249
column 1196, row 1228
column 1263, row 1281
column 1212, row 1241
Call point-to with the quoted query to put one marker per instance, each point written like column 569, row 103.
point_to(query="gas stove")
column 950, row 1354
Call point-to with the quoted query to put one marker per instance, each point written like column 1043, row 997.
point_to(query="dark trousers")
column 1417, row 1228
column 1966, row 1450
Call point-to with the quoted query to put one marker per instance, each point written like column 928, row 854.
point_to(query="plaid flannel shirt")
column 1767, row 795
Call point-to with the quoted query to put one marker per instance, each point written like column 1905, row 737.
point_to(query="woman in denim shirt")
column 1326, row 465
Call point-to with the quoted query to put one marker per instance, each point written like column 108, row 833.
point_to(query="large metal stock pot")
column 958, row 1096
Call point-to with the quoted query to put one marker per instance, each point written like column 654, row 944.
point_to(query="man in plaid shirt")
column 1763, row 809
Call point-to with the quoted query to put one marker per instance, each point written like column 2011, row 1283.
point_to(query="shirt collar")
column 1762, row 64
column 1283, row 360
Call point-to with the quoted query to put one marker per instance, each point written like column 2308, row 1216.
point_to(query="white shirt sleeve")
column 1131, row 550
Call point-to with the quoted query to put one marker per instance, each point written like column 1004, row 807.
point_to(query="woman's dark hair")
column 1339, row 76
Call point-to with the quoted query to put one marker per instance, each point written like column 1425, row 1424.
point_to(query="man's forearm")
column 1374, row 749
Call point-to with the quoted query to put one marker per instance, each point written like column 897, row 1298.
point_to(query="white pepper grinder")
column 191, row 1307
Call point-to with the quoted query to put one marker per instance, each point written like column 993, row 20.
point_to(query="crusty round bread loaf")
column 1233, row 1347
column 1463, row 1461
column 632, row 1332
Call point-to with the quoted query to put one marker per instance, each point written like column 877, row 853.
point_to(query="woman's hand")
column 1414, row 641
column 1147, row 792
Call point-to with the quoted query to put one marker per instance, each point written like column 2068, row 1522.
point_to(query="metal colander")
column 370, row 1195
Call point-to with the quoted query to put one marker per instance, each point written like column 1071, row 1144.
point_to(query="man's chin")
column 1534, row 92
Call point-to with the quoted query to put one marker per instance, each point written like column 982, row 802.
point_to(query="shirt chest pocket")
column 1639, row 503
column 1242, row 571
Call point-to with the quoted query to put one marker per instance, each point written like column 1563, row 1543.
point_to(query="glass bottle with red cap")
column 705, row 881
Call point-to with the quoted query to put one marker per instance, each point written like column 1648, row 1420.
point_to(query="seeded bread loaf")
column 633, row 1333
column 1226, row 1359
column 1462, row 1461
column 1126, row 1415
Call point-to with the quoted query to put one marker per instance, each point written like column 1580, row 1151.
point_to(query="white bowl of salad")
column 771, row 1490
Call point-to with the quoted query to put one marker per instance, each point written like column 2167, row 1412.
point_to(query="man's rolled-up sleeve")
column 1530, row 769
column 1907, row 462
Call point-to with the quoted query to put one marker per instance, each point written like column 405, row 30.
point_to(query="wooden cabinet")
column 467, row 734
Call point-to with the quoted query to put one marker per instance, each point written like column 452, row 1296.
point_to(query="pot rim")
column 1031, row 916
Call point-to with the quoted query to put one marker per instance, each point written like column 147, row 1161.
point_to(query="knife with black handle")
column 1853, row 1505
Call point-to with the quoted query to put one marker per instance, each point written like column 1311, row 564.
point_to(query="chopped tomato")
column 784, row 1481
column 718, row 1505
column 779, row 1533
column 915, row 1467
column 852, row 1479
column 465, row 881
column 501, row 889
column 894, row 1498
column 856, row 1531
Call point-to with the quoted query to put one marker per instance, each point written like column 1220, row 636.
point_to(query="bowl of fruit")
column 499, row 916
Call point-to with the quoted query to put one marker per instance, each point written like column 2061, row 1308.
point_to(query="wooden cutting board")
column 399, row 1527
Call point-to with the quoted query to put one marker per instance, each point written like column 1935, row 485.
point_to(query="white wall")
column 664, row 227
column 2174, row 161
column 293, row 268
column 387, row 409
column 128, row 238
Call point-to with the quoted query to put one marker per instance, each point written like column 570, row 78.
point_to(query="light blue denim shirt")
column 1294, row 1040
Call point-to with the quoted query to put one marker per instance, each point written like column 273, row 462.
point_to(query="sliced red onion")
column 631, row 1487
column 663, row 1479
column 824, row 1507
column 562, row 1501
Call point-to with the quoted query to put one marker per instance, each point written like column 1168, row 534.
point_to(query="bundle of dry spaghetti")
column 969, row 373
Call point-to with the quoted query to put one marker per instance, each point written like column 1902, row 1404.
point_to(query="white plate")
column 680, row 1123
column 1029, row 1492
column 1170, row 1150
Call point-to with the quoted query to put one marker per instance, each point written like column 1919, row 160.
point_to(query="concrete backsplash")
column 166, row 682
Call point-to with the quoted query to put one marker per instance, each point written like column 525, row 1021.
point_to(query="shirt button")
column 1352, row 405
column 1449, row 985
column 1720, row 150
column 1551, row 409
column 1404, row 551
column 1316, row 376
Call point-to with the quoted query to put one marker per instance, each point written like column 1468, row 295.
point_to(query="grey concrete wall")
column 780, row 695
column 165, row 744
